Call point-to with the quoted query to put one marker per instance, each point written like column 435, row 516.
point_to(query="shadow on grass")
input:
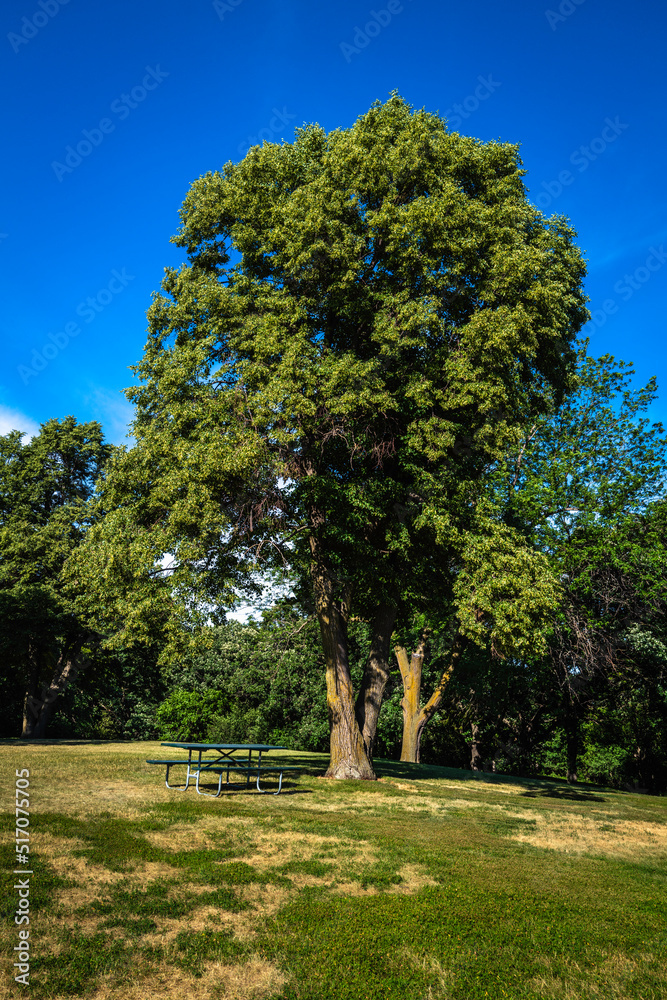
column 316, row 764
column 17, row 741
column 563, row 793
column 242, row 790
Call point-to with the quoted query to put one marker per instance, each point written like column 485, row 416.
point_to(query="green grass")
column 81, row 963
column 429, row 883
column 191, row 951
column 123, row 903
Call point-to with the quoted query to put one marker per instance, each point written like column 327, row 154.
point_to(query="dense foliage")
column 45, row 484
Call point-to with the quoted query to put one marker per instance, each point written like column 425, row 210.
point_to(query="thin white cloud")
column 627, row 251
column 114, row 413
column 14, row 420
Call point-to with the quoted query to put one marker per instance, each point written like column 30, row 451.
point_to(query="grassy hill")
column 430, row 883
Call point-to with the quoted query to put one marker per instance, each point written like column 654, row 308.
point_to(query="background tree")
column 583, row 486
column 504, row 596
column 365, row 319
column 44, row 488
column 265, row 679
column 115, row 698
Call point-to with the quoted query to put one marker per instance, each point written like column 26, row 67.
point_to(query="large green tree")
column 364, row 320
column 45, row 484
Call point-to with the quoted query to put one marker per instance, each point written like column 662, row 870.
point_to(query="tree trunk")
column 476, row 762
column 348, row 753
column 411, row 674
column 414, row 718
column 376, row 675
column 572, row 743
column 37, row 710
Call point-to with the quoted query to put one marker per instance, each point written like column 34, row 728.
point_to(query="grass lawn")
column 430, row 883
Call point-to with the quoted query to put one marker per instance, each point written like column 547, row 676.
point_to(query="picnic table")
column 227, row 759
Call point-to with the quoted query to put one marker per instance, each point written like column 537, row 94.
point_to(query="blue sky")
column 148, row 96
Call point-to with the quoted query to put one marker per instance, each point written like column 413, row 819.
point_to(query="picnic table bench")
column 224, row 763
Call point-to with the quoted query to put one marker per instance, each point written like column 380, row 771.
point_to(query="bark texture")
column 348, row 753
column 376, row 675
column 414, row 717
column 411, row 673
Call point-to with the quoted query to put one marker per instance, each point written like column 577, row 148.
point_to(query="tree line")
column 365, row 385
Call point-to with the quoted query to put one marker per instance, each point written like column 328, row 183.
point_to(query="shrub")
column 187, row 716
column 604, row 765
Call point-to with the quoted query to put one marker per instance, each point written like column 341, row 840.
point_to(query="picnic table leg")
column 264, row 791
column 177, row 788
column 211, row 795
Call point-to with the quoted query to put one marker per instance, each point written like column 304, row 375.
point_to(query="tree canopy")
column 366, row 321
column 45, row 484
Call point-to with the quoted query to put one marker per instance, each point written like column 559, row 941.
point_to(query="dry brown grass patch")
column 413, row 878
column 431, row 966
column 182, row 836
column 365, row 801
column 251, row 980
column 94, row 880
column 401, row 785
column 265, row 899
column 241, row 925
column 282, row 847
column 576, row 834
column 612, row 976
column 84, row 797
